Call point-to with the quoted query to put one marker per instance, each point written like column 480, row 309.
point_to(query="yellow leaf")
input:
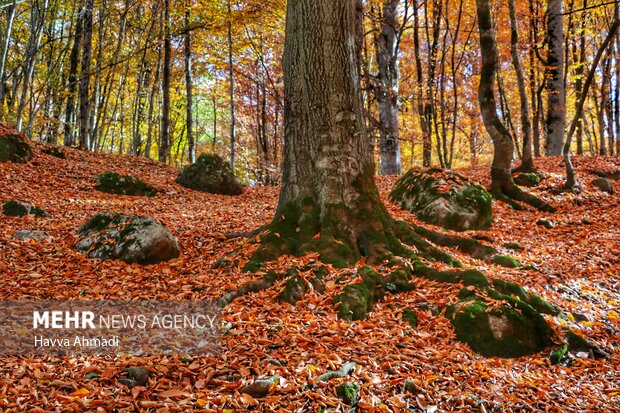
column 201, row 403
column 570, row 317
column 80, row 393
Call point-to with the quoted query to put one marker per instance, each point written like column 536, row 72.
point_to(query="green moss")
column 355, row 302
column 469, row 277
column 557, row 355
column 534, row 300
column 113, row 183
column 410, row 317
column 398, row 281
column 506, row 261
column 420, row 192
column 210, row 174
column 348, row 392
column 294, row 289
column 511, row 330
column 529, row 180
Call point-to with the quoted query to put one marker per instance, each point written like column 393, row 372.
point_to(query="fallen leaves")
column 579, row 271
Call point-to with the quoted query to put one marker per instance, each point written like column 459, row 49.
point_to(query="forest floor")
column 579, row 262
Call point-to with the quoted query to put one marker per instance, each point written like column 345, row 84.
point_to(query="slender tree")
column 387, row 88
column 189, row 97
column 164, row 139
column 502, row 185
column 527, row 161
column 87, row 15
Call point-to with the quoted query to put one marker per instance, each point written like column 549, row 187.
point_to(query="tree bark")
column 556, row 98
column 5, row 47
column 328, row 202
column 527, row 161
column 189, row 97
column 424, row 107
column 387, row 89
column 72, row 81
column 502, row 185
column 87, row 15
column 164, row 140
column 231, row 76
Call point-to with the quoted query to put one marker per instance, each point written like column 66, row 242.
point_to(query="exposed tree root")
column 469, row 246
column 512, row 195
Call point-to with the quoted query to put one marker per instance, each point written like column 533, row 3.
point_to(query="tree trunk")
column 38, row 11
column 87, row 15
column 72, row 81
column 5, row 47
column 232, row 89
column 189, row 119
column 329, row 202
column 164, row 139
column 527, row 162
column 423, row 106
column 387, row 89
column 502, row 185
column 556, row 98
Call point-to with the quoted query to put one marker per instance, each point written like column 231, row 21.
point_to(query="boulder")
column 210, row 174
column 15, row 208
column 54, row 151
column 604, row 185
column 446, row 199
column 113, row 183
column 128, row 238
column 30, row 234
column 529, row 180
column 511, row 329
column 13, row 146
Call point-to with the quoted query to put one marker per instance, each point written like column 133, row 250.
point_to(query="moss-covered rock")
column 529, row 180
column 444, row 198
column 512, row 329
column 15, row 208
column 348, row 392
column 113, row 183
column 210, row 174
column 506, row 261
column 545, row 223
column 54, row 151
column 13, row 146
column 411, row 317
column 604, row 185
column 131, row 239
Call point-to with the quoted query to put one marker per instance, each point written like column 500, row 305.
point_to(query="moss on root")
column 519, row 292
column 294, row 288
column 506, row 261
column 410, row 317
column 469, row 246
column 467, row 277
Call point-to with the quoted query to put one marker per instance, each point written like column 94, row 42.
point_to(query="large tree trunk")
column 387, row 88
column 502, row 185
column 556, row 98
column 329, row 202
column 424, row 107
